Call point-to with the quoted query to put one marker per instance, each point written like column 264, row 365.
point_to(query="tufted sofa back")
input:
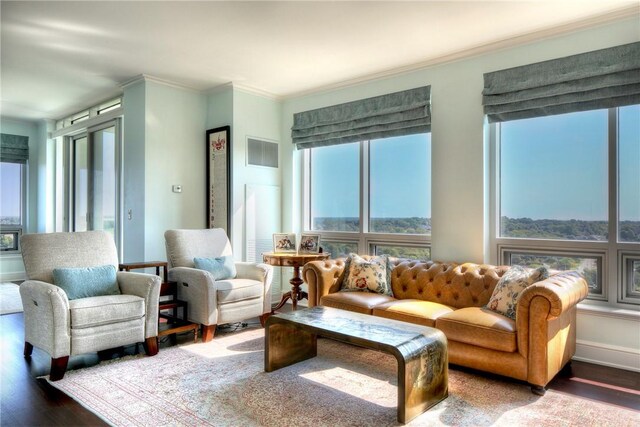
column 455, row 285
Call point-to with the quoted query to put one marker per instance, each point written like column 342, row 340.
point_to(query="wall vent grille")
column 262, row 153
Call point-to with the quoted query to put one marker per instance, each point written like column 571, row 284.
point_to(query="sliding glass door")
column 95, row 180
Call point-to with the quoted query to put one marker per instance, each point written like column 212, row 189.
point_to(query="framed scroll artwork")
column 219, row 178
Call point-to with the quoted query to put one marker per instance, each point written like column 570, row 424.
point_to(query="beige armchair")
column 64, row 327
column 214, row 302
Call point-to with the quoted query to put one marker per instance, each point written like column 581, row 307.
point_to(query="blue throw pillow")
column 221, row 268
column 87, row 282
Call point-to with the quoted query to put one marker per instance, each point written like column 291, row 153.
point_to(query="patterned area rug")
column 10, row 301
column 223, row 383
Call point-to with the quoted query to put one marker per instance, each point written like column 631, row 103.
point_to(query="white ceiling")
column 60, row 57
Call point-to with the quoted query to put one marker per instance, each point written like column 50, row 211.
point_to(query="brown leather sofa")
column 450, row 297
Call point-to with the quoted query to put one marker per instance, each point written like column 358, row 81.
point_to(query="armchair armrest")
column 146, row 286
column 260, row 272
column 46, row 317
column 197, row 287
column 322, row 278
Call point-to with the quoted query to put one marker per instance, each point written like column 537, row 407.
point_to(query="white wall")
column 133, row 171
column 174, row 155
column 253, row 116
column 459, row 158
column 249, row 115
column 163, row 145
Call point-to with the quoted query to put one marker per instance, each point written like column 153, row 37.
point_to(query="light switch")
column 177, row 188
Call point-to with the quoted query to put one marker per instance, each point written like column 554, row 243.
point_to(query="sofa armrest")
column 546, row 324
column 322, row 278
column 562, row 291
column 260, row 272
column 146, row 286
column 198, row 289
column 47, row 321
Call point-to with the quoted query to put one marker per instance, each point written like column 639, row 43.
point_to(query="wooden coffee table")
column 421, row 351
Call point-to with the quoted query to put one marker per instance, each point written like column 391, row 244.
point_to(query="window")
column 12, row 205
column 379, row 191
column 408, row 252
column 567, row 194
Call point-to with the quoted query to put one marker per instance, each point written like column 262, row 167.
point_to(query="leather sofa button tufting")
column 448, row 282
column 404, row 289
column 486, row 286
column 420, row 291
column 467, row 284
column 474, row 299
column 438, row 294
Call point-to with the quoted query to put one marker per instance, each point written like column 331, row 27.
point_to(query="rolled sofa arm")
column 322, row 278
column 562, row 290
column 198, row 288
column 545, row 320
column 46, row 317
column 260, row 272
column 146, row 286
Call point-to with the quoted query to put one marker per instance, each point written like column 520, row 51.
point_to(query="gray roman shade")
column 14, row 148
column 603, row 78
column 395, row 114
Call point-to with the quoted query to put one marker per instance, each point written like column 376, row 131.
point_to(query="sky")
column 400, row 178
column 556, row 167
column 553, row 167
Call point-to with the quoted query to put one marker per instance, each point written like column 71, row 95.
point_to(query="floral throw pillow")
column 371, row 275
column 506, row 293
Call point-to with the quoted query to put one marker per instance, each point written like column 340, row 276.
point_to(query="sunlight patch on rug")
column 223, row 383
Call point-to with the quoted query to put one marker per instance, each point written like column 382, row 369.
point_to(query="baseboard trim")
column 608, row 355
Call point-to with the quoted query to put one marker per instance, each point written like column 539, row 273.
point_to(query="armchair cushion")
column 105, row 310
column 235, row 290
column 87, row 281
column 222, row 268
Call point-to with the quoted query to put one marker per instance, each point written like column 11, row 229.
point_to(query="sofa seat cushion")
column 479, row 326
column 105, row 310
column 360, row 302
column 234, row 290
column 413, row 311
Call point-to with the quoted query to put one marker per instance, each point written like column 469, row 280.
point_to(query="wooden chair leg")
column 151, row 346
column 58, row 368
column 28, row 349
column 208, row 331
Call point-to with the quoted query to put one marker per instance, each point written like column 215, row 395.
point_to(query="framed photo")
column 284, row 242
column 219, row 178
column 309, row 243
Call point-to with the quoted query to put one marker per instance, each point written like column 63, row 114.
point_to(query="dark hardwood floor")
column 29, row 401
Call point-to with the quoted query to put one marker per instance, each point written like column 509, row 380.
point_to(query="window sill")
column 10, row 255
column 611, row 312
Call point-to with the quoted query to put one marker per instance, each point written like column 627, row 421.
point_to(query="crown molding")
column 157, row 80
column 243, row 88
column 511, row 42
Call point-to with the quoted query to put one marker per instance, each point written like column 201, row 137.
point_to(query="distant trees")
column 629, row 231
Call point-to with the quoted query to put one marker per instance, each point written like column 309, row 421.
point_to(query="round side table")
column 296, row 261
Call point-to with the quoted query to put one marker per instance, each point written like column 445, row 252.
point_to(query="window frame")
column 364, row 239
column 18, row 229
column 614, row 283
